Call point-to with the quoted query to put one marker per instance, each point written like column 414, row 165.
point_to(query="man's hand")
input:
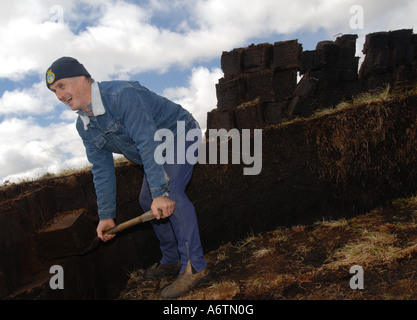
column 104, row 225
column 162, row 207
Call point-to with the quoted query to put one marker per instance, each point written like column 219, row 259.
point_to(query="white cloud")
column 200, row 96
column 68, row 115
column 27, row 38
column 120, row 37
column 29, row 150
column 34, row 100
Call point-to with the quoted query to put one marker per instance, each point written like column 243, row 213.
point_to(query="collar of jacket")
column 96, row 105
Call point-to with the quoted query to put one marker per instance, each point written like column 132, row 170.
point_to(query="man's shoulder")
column 114, row 87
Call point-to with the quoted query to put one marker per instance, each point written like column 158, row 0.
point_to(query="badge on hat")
column 50, row 76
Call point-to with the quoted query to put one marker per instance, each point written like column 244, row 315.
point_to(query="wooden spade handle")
column 147, row 216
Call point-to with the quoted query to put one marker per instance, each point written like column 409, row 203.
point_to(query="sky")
column 172, row 47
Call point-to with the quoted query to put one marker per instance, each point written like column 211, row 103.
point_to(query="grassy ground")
column 311, row 262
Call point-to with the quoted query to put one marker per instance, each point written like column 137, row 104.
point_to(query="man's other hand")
column 162, row 207
column 104, row 225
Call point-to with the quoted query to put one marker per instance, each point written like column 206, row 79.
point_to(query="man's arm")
column 104, row 179
column 138, row 121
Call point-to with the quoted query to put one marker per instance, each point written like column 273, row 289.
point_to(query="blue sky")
column 173, row 47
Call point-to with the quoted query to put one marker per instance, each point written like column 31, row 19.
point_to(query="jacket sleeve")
column 104, row 180
column 136, row 117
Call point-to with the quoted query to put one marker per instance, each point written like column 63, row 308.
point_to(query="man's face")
column 74, row 92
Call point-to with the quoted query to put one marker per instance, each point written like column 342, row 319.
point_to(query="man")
column 122, row 117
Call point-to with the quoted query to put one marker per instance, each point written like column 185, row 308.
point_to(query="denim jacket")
column 126, row 117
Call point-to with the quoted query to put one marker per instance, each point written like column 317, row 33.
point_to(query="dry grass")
column 311, row 262
column 224, row 290
column 382, row 95
column 372, row 247
column 333, row 223
column 261, row 252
